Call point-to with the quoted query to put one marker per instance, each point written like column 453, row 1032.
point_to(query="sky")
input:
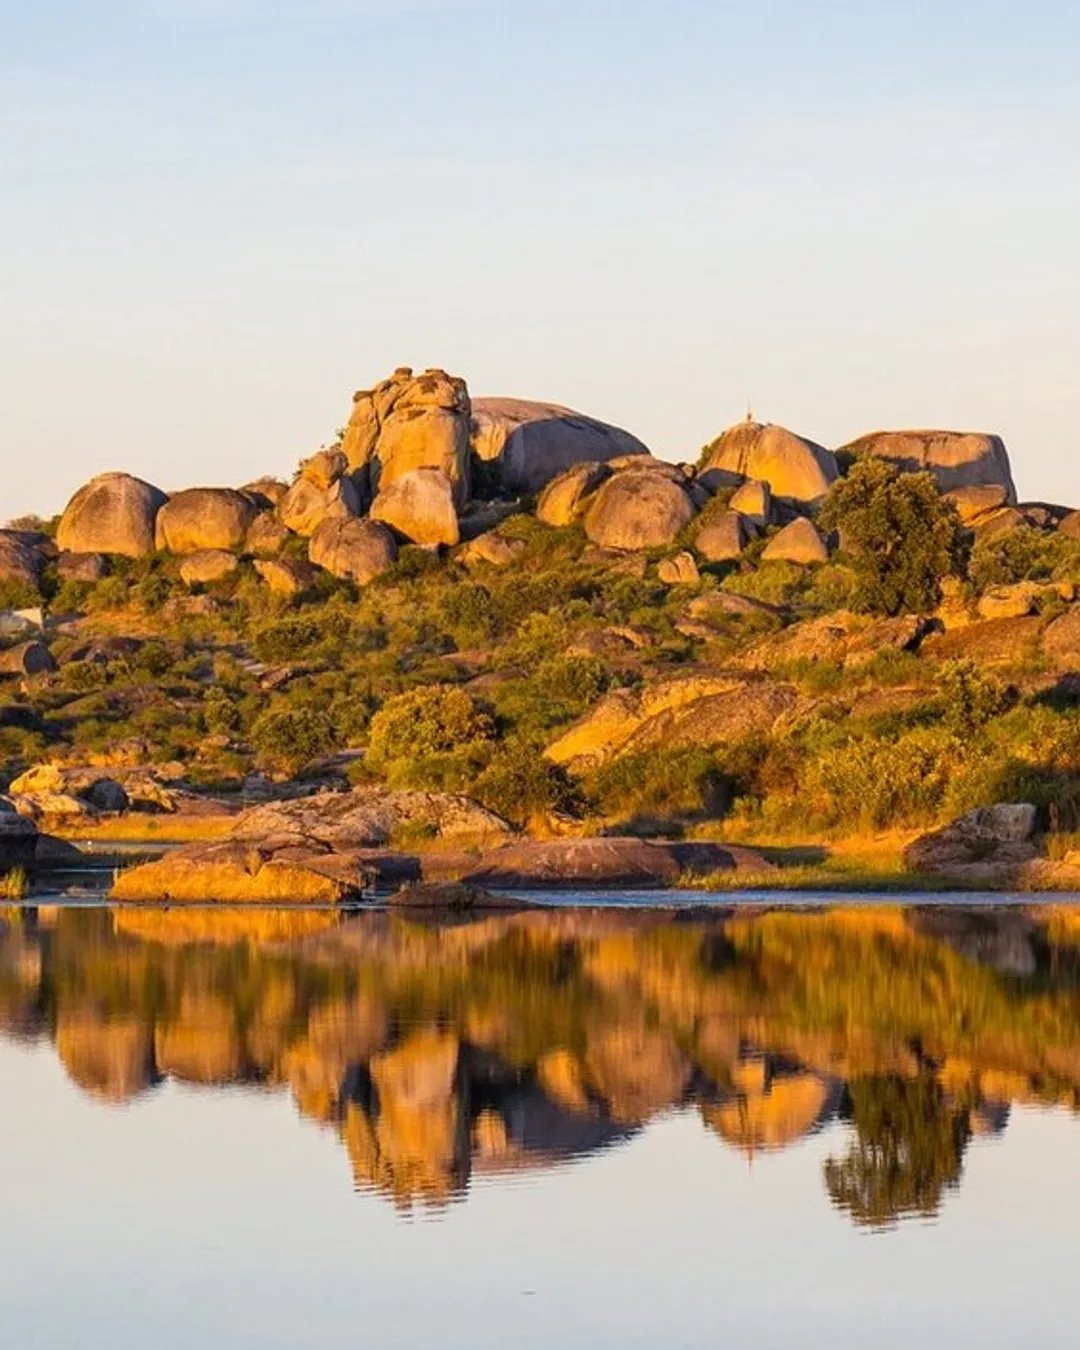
column 218, row 218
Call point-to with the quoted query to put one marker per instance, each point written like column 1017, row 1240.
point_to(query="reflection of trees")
column 908, row 1149
column 436, row 1050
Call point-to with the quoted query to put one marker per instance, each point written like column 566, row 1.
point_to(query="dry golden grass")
column 136, row 827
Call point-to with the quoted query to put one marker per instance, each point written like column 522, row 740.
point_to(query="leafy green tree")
column 289, row 738
column 520, row 783
column 220, row 713
column 902, row 535
column 428, row 721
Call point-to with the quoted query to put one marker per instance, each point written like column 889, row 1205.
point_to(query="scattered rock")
column 493, row 549
column 957, row 459
column 722, row 538
column 800, row 542
column 753, row 501
column 208, row 565
column 305, row 506
column 421, row 506
column 266, row 536
column 984, row 847
column 637, row 510
column 1061, row 640
column 535, row 443
column 27, row 658
column 113, row 513
column 87, row 567
column 1009, row 602
column 287, row 576
column 1070, row 525
column 202, row 519
column 977, row 500
column 360, row 550
column 794, row 468
column 679, row 571
column 564, row 499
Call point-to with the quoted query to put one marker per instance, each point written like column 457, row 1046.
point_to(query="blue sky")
column 219, row 217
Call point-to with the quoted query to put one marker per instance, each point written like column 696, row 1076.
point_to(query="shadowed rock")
column 957, row 459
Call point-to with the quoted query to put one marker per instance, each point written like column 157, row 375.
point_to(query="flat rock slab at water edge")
column 607, row 862
column 277, row 872
column 454, row 897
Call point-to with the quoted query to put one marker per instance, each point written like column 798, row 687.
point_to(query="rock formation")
column 957, row 459
column 638, row 509
column 204, row 518
column 420, row 505
column 357, row 549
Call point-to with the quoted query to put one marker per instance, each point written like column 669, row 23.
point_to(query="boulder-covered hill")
column 521, row 604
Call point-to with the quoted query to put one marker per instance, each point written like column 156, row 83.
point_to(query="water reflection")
column 440, row 1050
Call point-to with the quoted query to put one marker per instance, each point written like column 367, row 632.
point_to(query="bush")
column 662, row 784
column 1024, row 554
column 903, row 536
column 519, row 783
column 221, row 716
column 431, row 720
column 875, row 784
column 289, row 738
column 970, row 696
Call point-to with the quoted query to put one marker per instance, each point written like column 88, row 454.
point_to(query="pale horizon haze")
column 220, row 217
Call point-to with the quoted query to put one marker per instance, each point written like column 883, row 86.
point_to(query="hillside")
column 521, row 605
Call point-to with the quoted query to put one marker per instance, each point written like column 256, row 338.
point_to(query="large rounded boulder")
column 957, row 459
column 795, row 469
column 113, row 513
column 306, row 505
column 420, row 506
column 533, row 443
column 355, row 549
column 204, row 518
column 565, row 497
column 638, row 509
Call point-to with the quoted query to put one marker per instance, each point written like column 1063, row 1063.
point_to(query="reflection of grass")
column 15, row 885
column 130, row 828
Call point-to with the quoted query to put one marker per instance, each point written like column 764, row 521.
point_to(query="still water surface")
column 846, row 1127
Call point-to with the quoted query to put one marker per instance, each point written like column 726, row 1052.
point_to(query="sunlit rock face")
column 957, row 459
column 435, row 1049
column 794, row 469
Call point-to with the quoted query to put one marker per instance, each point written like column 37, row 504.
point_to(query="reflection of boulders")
column 113, row 1059
column 434, row 1045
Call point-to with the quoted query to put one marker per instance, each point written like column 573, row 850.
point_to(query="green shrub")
column 220, row 714
column 902, row 535
column 432, row 720
column 662, row 785
column 1024, row 554
column 289, row 738
column 18, row 594
column 970, row 696
column 871, row 783
column 519, row 783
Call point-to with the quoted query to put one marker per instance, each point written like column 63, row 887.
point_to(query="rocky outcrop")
column 359, row 550
column 533, row 443
column 492, row 548
column 977, row 501
column 265, row 492
column 985, row 847
column 840, row 639
column 369, row 818
column 201, row 519
column 800, row 542
column 207, row 565
column 957, row 459
column 307, row 503
column 564, row 499
column 411, row 422
column 638, row 509
column 420, row 506
column 707, row 708
column 794, row 468
column 113, row 513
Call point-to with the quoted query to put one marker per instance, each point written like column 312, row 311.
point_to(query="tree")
column 430, row 720
column 903, row 536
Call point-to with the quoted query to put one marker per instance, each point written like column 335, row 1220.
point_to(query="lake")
column 753, row 1126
